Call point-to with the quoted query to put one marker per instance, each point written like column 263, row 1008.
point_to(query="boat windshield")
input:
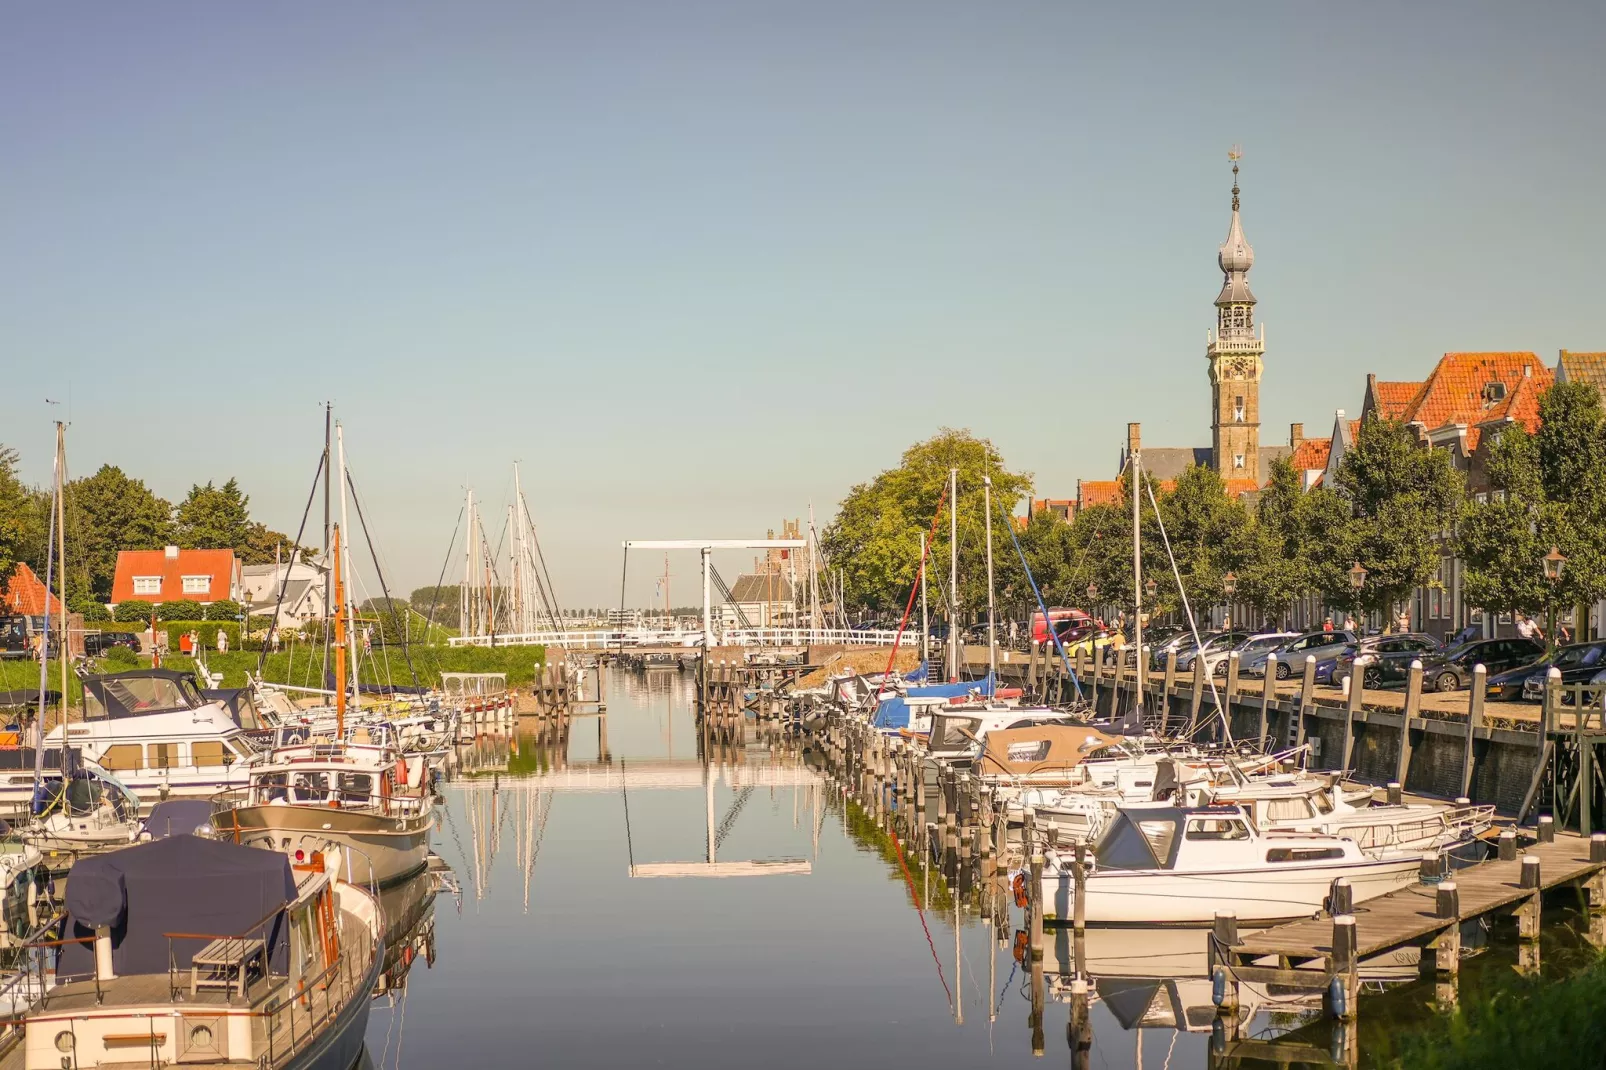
column 136, row 696
column 1139, row 841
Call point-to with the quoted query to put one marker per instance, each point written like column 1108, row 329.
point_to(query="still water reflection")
column 551, row 952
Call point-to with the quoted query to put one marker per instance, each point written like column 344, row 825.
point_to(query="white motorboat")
column 82, row 813
column 1166, row 865
column 152, row 729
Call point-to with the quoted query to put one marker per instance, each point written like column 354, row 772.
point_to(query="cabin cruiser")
column 959, row 734
column 378, row 807
column 153, row 730
column 205, row 968
column 1167, row 865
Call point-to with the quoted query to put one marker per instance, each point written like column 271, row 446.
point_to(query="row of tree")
column 1395, row 508
column 111, row 511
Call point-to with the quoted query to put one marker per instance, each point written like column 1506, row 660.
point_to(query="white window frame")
column 201, row 584
column 147, row 585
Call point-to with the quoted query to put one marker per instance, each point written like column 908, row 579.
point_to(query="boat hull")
column 1161, row 897
column 380, row 850
column 340, row 1046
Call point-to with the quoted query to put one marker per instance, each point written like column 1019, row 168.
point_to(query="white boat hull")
column 1160, row 897
column 377, row 850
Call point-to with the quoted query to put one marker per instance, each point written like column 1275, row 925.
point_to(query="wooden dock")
column 1311, row 954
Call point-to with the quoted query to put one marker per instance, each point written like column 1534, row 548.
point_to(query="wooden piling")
column 1445, row 948
column 1196, row 696
column 1268, row 697
column 1352, row 710
column 1344, row 966
column 1528, row 914
column 1475, row 700
column 1307, row 691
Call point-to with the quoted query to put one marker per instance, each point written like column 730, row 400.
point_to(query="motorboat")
column 1168, row 865
column 192, row 951
column 85, row 811
column 153, row 731
column 959, row 734
column 376, row 805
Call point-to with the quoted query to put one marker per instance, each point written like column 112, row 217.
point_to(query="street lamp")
column 1092, row 592
column 1553, row 565
column 1229, row 584
column 1357, row 576
column 1149, row 587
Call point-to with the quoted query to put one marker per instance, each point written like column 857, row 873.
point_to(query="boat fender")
column 1018, row 886
column 1021, row 945
column 401, row 772
column 1218, row 986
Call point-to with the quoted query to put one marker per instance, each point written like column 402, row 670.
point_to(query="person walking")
column 222, row 641
column 1526, row 628
column 1349, row 623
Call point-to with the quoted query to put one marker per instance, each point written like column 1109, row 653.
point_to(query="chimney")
column 171, row 553
column 1296, row 435
column 1134, row 438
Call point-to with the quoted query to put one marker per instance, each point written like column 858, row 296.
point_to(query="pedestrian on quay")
column 1327, row 626
column 222, row 641
column 1349, row 623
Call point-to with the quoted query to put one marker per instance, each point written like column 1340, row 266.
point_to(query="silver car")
column 1291, row 655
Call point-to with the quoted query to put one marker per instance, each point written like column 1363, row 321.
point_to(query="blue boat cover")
column 894, row 712
column 918, row 675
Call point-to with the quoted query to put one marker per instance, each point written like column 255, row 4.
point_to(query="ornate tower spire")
column 1234, row 353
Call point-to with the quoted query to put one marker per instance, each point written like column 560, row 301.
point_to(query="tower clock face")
column 1238, row 367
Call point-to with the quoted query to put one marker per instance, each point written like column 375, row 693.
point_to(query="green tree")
column 131, row 611
column 214, row 518
column 91, row 610
column 108, row 512
column 1403, row 500
column 181, row 610
column 1206, row 529
column 223, row 609
column 444, row 602
column 875, row 538
column 15, row 509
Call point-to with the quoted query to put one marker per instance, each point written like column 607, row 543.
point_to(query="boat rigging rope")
column 1193, row 625
column 920, row 907
column 1048, row 625
column 624, row 789
column 284, row 582
column 383, row 589
column 925, row 552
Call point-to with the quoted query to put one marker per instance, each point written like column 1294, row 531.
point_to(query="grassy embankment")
column 302, row 667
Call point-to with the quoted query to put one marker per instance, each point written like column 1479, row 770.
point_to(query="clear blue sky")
column 698, row 264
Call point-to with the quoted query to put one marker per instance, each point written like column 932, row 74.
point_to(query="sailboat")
column 374, row 802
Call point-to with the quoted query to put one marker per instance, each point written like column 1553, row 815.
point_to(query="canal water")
column 550, row 952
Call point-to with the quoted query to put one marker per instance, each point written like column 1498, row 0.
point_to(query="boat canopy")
column 137, row 693
column 955, row 690
column 894, row 711
column 1141, row 839
column 1040, row 748
column 240, row 704
column 178, row 817
column 181, row 884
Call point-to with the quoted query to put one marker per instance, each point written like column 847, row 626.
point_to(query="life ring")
column 1018, row 886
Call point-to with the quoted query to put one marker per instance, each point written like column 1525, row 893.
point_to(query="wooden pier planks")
column 1406, row 917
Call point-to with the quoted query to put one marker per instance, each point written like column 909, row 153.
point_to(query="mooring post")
column 1446, row 946
column 1343, row 968
column 1098, row 678
column 1268, row 698
column 1307, row 691
column 1528, row 916
column 1430, row 868
column 1036, row 900
column 1196, row 696
column 1547, row 829
column 1031, row 668
column 1232, row 681
column 1413, row 705
column 1508, row 846
column 1396, row 793
column 1352, row 710
column 1340, row 897
column 1475, row 698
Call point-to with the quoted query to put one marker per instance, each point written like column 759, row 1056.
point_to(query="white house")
column 302, row 582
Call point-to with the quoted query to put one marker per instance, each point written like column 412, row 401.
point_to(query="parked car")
column 1451, row 670
column 1389, row 658
column 1255, row 645
column 1578, row 663
column 1291, row 656
column 97, row 643
column 1214, row 643
column 1064, row 620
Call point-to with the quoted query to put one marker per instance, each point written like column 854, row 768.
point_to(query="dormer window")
column 1494, row 392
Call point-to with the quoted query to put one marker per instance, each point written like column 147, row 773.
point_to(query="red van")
column 1072, row 625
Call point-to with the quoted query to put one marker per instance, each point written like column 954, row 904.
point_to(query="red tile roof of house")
column 1457, row 391
column 1394, row 398
column 1583, row 368
column 220, row 566
column 1097, row 492
column 25, row 593
column 1311, row 454
column 1237, row 488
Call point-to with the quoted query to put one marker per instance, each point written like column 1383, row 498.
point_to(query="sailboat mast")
column 925, row 613
column 953, row 575
column 466, row 601
column 992, row 617
column 61, row 582
column 44, row 639
column 1138, row 666
column 345, row 549
column 328, row 581
column 340, row 641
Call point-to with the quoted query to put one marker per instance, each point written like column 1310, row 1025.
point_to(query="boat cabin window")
column 136, row 696
column 355, row 787
column 207, row 752
column 122, row 756
column 1323, row 804
column 952, row 732
column 163, row 755
column 1216, row 828
column 1303, row 854
column 309, row 787
column 1295, row 809
column 1031, row 750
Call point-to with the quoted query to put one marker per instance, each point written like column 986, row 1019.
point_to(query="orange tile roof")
column 25, row 593
column 1311, row 454
column 220, row 566
column 1097, row 492
column 1394, row 397
column 1455, row 392
column 1237, row 488
column 1584, row 368
column 1354, row 430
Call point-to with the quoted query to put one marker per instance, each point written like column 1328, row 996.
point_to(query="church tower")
column 1234, row 354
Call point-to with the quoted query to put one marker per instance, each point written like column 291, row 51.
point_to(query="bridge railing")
column 691, row 641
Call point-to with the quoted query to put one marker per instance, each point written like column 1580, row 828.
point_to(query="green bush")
column 92, row 611
column 223, row 609
column 259, row 622
column 130, row 611
column 206, row 630
column 180, row 611
column 119, row 658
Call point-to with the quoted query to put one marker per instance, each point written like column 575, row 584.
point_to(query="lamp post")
column 1357, row 580
column 1149, row 587
column 1092, row 594
column 1229, row 587
column 1553, row 563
